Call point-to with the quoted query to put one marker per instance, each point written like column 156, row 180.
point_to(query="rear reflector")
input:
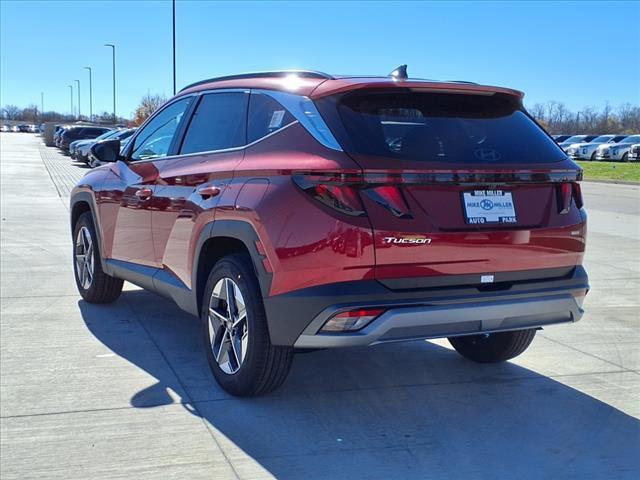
column 351, row 320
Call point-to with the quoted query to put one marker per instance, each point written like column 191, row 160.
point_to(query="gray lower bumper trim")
column 405, row 323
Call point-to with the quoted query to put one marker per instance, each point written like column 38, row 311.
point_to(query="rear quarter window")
column 438, row 127
column 265, row 117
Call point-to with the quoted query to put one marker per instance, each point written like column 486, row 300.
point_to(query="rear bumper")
column 434, row 321
column 444, row 311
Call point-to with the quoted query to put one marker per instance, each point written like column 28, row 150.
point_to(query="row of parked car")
column 616, row 148
column 77, row 140
column 20, row 128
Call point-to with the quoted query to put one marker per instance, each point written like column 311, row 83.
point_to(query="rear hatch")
column 459, row 184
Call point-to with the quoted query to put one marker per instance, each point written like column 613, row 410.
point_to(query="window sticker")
column 276, row 119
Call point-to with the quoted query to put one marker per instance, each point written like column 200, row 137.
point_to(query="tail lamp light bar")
column 341, row 190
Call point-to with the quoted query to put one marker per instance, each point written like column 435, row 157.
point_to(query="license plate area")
column 488, row 207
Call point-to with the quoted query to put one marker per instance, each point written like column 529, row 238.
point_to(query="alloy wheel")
column 228, row 327
column 84, row 257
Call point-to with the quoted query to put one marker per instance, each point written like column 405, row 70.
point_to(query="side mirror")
column 107, row 150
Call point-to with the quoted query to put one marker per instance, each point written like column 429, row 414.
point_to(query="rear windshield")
column 438, row 127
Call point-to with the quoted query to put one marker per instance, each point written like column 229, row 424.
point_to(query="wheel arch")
column 221, row 238
column 80, row 203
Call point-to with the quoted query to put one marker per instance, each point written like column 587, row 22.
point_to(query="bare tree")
column 629, row 118
column 30, row 114
column 11, row 112
column 557, row 119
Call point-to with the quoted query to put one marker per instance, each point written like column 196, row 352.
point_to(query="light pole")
column 90, row 95
column 113, row 47
column 174, row 47
column 42, row 102
column 79, row 114
column 71, row 96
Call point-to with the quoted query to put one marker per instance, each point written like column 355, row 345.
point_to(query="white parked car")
column 576, row 139
column 617, row 152
column 634, row 153
column 587, row 150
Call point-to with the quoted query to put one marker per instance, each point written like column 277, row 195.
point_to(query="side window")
column 219, row 122
column 266, row 116
column 155, row 138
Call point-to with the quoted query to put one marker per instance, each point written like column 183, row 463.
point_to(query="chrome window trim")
column 223, row 150
column 301, row 107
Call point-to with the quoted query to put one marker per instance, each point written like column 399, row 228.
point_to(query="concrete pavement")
column 123, row 390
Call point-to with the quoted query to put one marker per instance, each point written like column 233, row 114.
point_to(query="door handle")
column 209, row 191
column 144, row 193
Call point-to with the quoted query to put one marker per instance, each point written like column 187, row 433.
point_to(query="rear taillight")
column 564, row 203
column 391, row 198
column 351, row 320
column 566, row 192
column 577, row 195
column 336, row 191
column 341, row 191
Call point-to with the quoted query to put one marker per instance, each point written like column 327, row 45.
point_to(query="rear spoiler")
column 344, row 85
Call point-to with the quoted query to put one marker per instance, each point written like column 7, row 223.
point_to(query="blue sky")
column 580, row 53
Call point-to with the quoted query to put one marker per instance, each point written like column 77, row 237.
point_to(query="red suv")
column 298, row 210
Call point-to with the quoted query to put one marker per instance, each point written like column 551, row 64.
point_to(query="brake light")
column 564, row 198
column 577, row 195
column 333, row 190
column 567, row 191
column 391, row 198
column 351, row 320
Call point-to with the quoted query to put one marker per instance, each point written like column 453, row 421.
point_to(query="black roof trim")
column 274, row 74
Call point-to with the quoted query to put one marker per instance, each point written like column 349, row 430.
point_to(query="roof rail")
column 276, row 74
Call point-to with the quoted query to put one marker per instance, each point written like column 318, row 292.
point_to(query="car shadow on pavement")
column 407, row 410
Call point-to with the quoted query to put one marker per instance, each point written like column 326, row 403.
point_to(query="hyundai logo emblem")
column 487, row 154
column 486, row 204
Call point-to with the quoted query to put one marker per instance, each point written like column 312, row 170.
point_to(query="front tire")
column 625, row 157
column 493, row 347
column 94, row 285
column 235, row 332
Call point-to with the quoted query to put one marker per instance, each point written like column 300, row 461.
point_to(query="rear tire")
column 236, row 335
column 625, row 157
column 94, row 285
column 493, row 347
column 593, row 156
